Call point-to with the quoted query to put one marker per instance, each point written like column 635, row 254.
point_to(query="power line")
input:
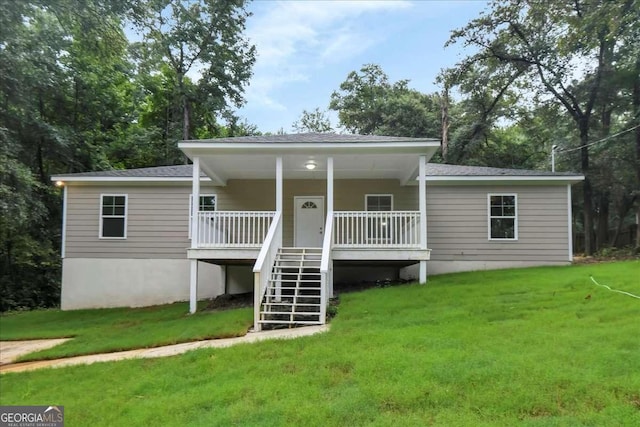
column 598, row 141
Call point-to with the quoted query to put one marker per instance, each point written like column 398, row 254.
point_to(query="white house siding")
column 149, row 267
column 458, row 228
column 157, row 222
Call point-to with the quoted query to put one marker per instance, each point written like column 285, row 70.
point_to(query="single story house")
column 288, row 215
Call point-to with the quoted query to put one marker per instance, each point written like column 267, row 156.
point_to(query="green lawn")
column 532, row 347
column 116, row 329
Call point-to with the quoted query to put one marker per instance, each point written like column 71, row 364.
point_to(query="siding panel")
column 157, row 222
column 458, row 227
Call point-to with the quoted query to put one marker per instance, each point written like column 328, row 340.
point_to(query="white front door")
column 309, row 221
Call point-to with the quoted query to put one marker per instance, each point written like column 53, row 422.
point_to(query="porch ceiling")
column 390, row 160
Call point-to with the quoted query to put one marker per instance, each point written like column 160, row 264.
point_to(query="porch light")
column 59, row 183
column 310, row 165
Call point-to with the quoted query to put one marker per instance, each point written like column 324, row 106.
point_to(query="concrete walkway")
column 11, row 350
column 169, row 350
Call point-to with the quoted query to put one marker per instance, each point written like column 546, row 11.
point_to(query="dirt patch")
column 229, row 301
column 581, row 259
column 11, row 350
column 346, row 287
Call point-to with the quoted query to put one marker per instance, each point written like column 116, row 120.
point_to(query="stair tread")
column 292, row 322
column 289, row 304
column 301, row 313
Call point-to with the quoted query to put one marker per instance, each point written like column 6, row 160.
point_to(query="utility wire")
column 598, row 141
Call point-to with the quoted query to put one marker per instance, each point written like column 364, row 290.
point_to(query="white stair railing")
column 377, row 229
column 326, row 267
column 233, row 229
column 264, row 265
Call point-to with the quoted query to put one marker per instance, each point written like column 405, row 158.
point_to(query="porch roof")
column 355, row 156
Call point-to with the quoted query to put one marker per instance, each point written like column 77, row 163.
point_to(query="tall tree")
column 201, row 39
column 59, row 101
column 313, row 121
column 543, row 47
column 368, row 103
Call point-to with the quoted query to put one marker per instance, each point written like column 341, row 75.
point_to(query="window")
column 309, row 205
column 379, row 202
column 113, row 216
column 207, row 204
column 378, row 226
column 503, row 217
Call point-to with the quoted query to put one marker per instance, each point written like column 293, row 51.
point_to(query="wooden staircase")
column 294, row 292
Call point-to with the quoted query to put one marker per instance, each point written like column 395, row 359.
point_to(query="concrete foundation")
column 113, row 282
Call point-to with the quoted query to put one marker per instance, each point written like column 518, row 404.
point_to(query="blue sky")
column 307, row 48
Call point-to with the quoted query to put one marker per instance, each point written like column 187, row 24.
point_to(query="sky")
column 305, row 49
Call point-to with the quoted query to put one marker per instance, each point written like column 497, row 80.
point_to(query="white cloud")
column 295, row 37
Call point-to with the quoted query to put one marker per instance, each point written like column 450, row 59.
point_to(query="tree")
column 202, row 39
column 313, row 121
column 368, row 103
column 541, row 47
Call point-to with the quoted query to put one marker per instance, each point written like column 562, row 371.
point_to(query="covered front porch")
column 316, row 202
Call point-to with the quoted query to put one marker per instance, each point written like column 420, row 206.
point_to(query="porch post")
column 422, row 188
column 329, row 280
column 329, row 185
column 279, row 184
column 195, row 202
column 279, row 204
column 193, row 286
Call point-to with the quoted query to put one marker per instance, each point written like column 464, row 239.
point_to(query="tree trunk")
column 587, row 189
column 636, row 109
column 445, row 123
column 602, row 234
column 638, row 229
column 186, row 115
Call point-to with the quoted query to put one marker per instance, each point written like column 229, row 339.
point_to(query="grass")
column 531, row 347
column 109, row 330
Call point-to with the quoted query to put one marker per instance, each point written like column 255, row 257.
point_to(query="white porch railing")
column 377, row 229
column 232, row 229
column 326, row 266
column 264, row 264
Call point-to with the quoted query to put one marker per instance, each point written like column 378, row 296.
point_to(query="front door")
column 309, row 221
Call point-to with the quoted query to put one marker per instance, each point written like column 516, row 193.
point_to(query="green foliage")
column 76, row 96
column 117, row 329
column 368, row 104
column 313, row 121
column 181, row 37
column 29, row 265
column 492, row 348
column 578, row 58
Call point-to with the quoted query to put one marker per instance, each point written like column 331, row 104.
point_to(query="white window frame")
column 366, row 200
column 515, row 217
column 125, row 216
column 215, row 197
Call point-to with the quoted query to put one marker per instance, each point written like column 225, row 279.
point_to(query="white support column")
column 195, row 201
column 279, row 184
column 329, row 280
column 64, row 223
column 329, row 184
column 422, row 198
column 279, row 207
column 193, row 286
